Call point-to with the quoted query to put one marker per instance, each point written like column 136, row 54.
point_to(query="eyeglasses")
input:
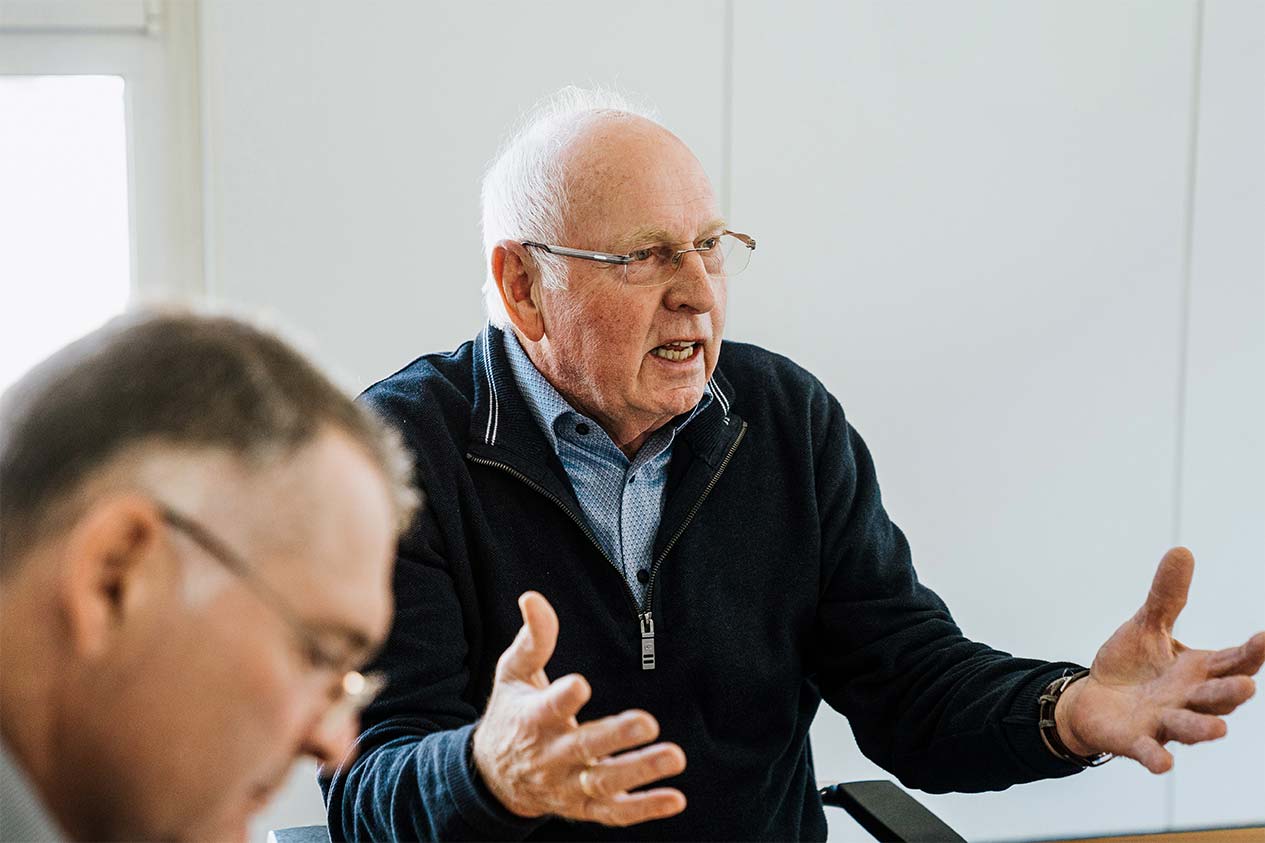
column 724, row 254
column 354, row 690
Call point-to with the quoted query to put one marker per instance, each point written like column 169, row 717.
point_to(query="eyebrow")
column 655, row 234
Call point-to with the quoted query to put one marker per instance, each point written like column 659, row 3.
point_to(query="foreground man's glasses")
column 354, row 690
column 724, row 254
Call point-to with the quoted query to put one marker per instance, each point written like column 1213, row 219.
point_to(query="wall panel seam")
column 1183, row 326
column 727, row 112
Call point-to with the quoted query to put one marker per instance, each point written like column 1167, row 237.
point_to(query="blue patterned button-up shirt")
column 622, row 498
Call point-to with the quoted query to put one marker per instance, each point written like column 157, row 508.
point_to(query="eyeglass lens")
column 729, row 256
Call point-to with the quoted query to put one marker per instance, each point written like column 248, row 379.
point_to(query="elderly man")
column 195, row 550
column 707, row 529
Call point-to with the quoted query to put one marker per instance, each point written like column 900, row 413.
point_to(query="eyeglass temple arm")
column 238, row 566
column 602, row 257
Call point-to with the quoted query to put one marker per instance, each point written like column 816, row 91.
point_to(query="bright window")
column 65, row 245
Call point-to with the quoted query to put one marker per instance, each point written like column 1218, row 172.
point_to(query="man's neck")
column 628, row 434
column 632, row 446
column 26, row 714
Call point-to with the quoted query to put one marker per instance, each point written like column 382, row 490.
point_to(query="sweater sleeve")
column 940, row 712
column 413, row 777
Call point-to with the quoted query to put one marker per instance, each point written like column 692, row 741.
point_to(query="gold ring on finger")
column 586, row 783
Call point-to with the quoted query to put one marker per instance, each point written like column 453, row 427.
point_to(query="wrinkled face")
column 632, row 184
column 220, row 697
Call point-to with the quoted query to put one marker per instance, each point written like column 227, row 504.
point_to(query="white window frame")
column 153, row 45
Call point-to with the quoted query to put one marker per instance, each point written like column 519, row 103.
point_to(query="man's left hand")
column 1145, row 688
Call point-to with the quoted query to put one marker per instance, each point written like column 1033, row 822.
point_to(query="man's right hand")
column 537, row 759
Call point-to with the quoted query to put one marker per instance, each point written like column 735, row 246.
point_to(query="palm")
column 1145, row 688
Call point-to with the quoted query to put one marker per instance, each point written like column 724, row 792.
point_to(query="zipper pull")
column 647, row 642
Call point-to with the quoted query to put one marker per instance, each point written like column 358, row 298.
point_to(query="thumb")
column 1168, row 592
column 532, row 648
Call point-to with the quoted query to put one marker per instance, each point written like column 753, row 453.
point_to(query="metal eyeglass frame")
column 632, row 257
column 356, row 689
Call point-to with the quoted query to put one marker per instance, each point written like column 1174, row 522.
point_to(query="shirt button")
column 582, row 429
column 643, row 576
column 632, row 479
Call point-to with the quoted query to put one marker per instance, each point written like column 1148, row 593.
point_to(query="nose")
column 331, row 735
column 691, row 289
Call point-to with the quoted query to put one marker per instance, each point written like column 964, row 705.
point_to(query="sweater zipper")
column 647, row 623
column 645, row 620
column 514, row 472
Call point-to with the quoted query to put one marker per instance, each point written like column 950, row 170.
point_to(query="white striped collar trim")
column 724, row 401
column 494, row 402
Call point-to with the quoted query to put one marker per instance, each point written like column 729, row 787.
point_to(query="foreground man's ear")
column 517, row 288
column 108, row 575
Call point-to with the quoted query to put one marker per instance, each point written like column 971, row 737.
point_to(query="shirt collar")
column 547, row 405
column 22, row 814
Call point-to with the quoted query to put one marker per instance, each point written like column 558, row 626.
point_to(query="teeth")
column 675, row 351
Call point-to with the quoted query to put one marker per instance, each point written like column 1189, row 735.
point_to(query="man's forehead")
column 630, row 178
column 625, row 219
column 328, row 535
column 643, row 234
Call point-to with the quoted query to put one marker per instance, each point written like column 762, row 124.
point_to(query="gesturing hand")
column 1145, row 688
column 537, row 759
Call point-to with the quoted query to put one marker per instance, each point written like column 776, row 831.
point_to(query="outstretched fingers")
column 626, row 809
column 1222, row 695
column 564, row 697
column 606, row 736
column 629, row 770
column 1191, row 727
column 1148, row 752
column 1244, row 660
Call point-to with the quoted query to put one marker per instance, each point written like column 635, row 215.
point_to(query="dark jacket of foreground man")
column 778, row 581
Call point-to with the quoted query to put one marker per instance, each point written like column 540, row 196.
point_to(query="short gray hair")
column 171, row 379
column 524, row 189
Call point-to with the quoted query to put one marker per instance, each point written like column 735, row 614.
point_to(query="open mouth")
column 677, row 351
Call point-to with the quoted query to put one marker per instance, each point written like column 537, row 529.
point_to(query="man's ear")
column 518, row 288
column 109, row 576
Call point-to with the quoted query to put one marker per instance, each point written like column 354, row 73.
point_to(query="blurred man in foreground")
column 196, row 534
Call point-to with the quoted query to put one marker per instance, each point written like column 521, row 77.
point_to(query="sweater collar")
column 502, row 425
column 550, row 408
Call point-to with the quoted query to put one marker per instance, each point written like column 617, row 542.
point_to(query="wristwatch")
column 1049, row 729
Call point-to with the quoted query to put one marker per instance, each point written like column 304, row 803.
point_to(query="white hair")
column 524, row 189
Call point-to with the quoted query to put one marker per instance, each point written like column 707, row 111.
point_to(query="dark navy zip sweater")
column 778, row 581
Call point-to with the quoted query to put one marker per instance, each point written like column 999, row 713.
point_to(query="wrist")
column 483, row 764
column 1056, row 709
column 1063, row 709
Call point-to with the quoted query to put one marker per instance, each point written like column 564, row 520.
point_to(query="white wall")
column 346, row 142
column 1222, row 512
column 991, row 228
